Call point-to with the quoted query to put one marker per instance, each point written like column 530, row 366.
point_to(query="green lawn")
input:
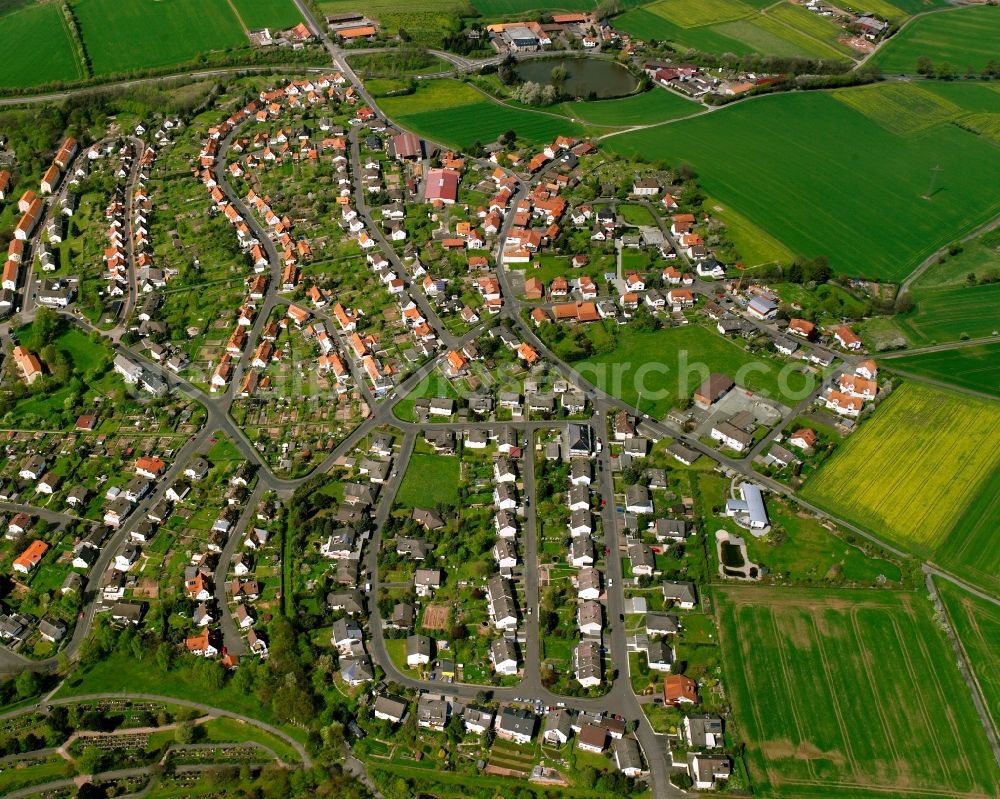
column 656, row 105
column 38, row 47
column 668, row 365
column 810, row 202
column 268, row 13
column 844, row 693
column 430, row 480
column 976, row 368
column 966, row 37
column 976, row 622
column 142, row 34
column 83, row 353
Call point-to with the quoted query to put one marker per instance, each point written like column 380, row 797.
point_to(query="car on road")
column 621, row 617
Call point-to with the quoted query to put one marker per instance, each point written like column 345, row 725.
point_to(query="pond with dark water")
column 585, row 77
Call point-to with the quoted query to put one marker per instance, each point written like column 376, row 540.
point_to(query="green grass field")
column 142, row 34
column 698, row 13
column 977, row 625
column 279, row 14
column 646, row 25
column 754, row 245
column 733, row 26
column 975, row 367
column 947, row 304
column 947, row 314
column 900, row 108
column 655, row 105
column 429, row 480
column 38, row 48
column 806, row 22
column 811, row 200
column 913, row 471
column 666, row 366
column 457, row 114
column 485, row 121
column 966, row 37
column 971, row 549
column 844, row 693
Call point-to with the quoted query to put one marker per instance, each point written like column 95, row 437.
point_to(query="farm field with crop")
column 914, row 468
column 142, row 34
column 809, row 202
column 900, row 108
column 456, row 114
column 38, row 47
column 278, row 14
column 697, row 13
column 977, row 624
column 965, row 37
column 737, row 26
column 958, row 296
column 668, row 365
column 644, row 24
column 822, row 682
column 502, row 8
column 949, row 313
column 975, row 367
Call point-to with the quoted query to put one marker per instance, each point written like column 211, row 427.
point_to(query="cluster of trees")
column 531, row 93
column 945, row 70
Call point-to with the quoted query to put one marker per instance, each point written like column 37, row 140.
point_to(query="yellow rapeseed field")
column 910, row 471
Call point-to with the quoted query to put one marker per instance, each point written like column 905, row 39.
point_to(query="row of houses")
column 594, row 732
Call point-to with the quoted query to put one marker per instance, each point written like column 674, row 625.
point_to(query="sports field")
column 278, row 14
column 455, row 114
column 37, row 48
column 141, row 34
column 913, row 469
column 816, row 198
column 976, row 622
column 975, row 367
column 966, row 37
column 845, row 693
